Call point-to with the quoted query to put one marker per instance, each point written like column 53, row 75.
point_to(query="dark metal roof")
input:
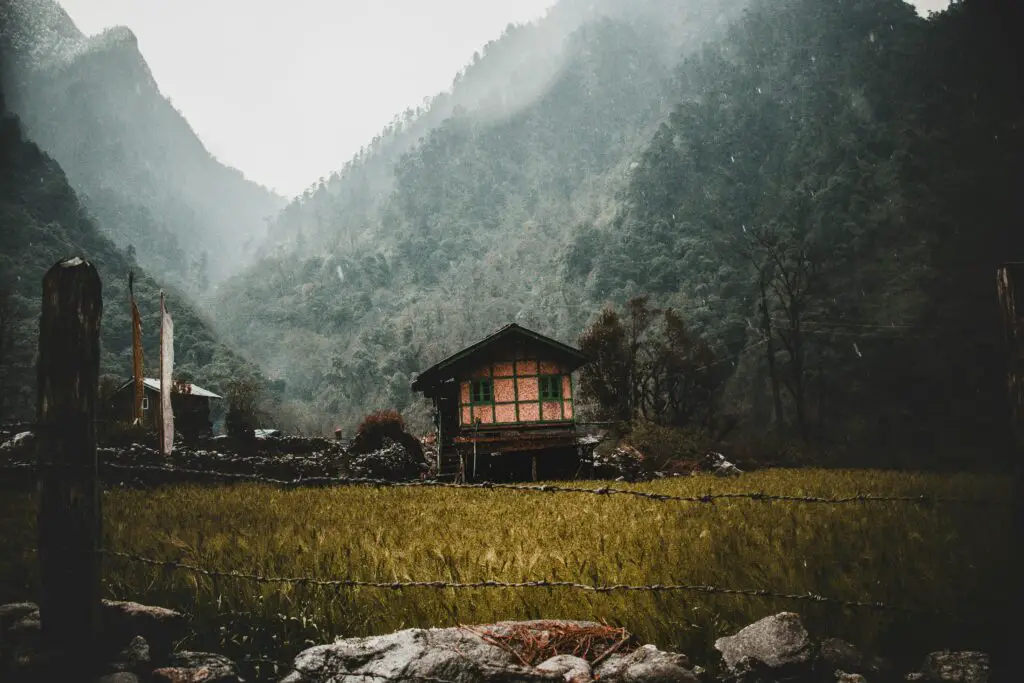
column 435, row 373
column 154, row 384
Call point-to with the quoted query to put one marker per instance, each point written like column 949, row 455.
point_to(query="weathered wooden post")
column 1010, row 278
column 69, row 493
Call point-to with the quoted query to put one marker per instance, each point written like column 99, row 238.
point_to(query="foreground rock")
column 451, row 654
column 138, row 643
column 481, row 655
column 780, row 642
column 954, row 667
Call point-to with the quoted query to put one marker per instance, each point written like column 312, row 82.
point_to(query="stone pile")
column 138, row 647
column 777, row 649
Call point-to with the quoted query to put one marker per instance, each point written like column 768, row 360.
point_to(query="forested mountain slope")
column 862, row 164
column 42, row 222
column 824, row 191
column 92, row 104
column 444, row 230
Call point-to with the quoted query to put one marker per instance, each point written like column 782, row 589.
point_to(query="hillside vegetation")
column 92, row 104
column 41, row 222
column 836, row 178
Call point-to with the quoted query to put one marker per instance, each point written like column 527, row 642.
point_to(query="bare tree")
column 789, row 280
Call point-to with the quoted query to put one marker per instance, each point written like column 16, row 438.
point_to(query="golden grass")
column 915, row 556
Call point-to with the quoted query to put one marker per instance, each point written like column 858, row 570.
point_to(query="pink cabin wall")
column 515, row 395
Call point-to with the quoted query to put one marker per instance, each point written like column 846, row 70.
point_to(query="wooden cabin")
column 190, row 403
column 504, row 407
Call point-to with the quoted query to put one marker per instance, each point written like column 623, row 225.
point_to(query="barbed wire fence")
column 70, row 484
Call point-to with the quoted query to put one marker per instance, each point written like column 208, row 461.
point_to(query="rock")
column 956, row 667
column 14, row 612
column 838, row 655
column 647, row 664
column 26, row 632
column 119, row 677
column 136, row 657
column 453, row 654
column 197, row 667
column 572, row 669
column 160, row 627
column 778, row 641
column 843, row 677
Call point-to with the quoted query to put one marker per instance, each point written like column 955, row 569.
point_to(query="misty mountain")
column 92, row 103
column 830, row 184
column 41, row 222
column 458, row 212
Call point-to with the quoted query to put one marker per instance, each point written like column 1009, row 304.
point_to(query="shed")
column 505, row 405
column 190, row 403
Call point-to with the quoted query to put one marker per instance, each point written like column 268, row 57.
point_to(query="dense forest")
column 92, row 104
column 821, row 191
column 41, row 222
column 797, row 206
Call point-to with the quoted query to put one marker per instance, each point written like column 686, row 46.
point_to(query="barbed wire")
column 174, row 565
column 536, row 488
column 555, row 488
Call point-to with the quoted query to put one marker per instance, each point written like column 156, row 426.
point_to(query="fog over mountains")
column 821, row 190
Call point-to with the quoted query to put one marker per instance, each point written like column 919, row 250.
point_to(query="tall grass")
column 952, row 559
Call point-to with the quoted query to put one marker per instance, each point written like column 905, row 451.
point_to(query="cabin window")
column 482, row 391
column 145, row 402
column 550, row 387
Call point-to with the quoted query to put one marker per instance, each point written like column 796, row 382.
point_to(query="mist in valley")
column 700, row 154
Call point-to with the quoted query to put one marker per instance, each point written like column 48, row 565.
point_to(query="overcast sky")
column 289, row 91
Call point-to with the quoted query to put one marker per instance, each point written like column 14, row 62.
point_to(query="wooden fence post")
column 1010, row 278
column 69, row 493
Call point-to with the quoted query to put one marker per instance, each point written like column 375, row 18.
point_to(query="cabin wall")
column 515, row 394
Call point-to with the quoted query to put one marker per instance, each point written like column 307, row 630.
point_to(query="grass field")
column 951, row 558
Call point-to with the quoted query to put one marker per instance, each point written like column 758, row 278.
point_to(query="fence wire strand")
column 555, row 488
column 174, row 565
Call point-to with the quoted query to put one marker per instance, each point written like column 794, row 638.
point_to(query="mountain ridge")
column 93, row 104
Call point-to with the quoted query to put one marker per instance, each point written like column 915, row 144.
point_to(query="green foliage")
column 42, row 222
column 92, row 104
column 952, row 559
column 648, row 365
column 243, row 415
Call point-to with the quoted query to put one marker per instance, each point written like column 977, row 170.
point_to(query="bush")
column 243, row 414
column 382, row 429
column 664, row 445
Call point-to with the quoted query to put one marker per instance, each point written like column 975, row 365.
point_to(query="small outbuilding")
column 505, row 407
column 190, row 403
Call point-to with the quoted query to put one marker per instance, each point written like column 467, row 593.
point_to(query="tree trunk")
column 766, row 328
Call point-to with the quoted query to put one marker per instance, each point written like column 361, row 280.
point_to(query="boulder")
column 14, row 612
column 197, row 667
column 647, row 664
column 135, row 657
column 119, row 677
column 838, row 655
column 159, row 626
column 572, row 669
column 955, row 667
column 26, row 632
column 778, row 642
column 453, row 654
column 843, row 677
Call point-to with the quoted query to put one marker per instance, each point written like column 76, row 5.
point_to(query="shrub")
column 380, row 430
column 664, row 445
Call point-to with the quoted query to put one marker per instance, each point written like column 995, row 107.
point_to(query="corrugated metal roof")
column 154, row 384
column 429, row 375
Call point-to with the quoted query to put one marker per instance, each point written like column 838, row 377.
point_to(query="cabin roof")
column 447, row 368
column 154, row 384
